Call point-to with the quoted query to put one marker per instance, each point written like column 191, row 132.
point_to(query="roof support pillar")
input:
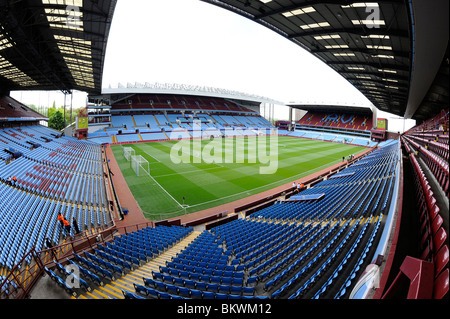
column 290, row 118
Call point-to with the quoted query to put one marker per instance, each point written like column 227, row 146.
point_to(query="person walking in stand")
column 75, row 226
column 61, row 219
column 67, row 227
column 48, row 243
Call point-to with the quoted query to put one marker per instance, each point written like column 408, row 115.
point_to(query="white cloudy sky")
column 192, row 42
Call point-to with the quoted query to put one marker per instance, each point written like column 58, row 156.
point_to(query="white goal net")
column 128, row 152
column 139, row 165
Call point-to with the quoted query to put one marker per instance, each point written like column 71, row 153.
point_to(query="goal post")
column 139, row 165
column 128, row 152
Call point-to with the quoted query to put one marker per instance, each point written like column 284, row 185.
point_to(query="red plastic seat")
column 437, row 223
column 440, row 288
column 431, row 202
column 434, row 212
column 428, row 193
column 441, row 260
column 439, row 238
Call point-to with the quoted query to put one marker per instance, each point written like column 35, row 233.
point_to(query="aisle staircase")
column 113, row 289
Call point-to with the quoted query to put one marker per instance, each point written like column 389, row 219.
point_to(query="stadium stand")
column 338, row 120
column 53, row 174
column 144, row 117
column 428, row 164
column 336, row 137
column 117, row 258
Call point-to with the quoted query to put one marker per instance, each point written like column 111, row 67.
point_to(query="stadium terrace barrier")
column 166, row 222
column 221, row 221
column 251, row 207
column 254, row 206
column 19, row 282
column 205, row 219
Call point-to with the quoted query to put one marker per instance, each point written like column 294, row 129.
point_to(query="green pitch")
column 205, row 184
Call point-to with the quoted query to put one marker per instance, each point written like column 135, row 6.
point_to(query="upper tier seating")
column 174, row 125
column 338, row 120
column 176, row 102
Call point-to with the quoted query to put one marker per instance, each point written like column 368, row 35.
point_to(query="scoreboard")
column 382, row 124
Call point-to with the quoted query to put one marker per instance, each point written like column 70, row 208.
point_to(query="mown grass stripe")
column 208, row 185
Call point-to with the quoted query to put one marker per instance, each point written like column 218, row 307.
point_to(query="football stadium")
column 183, row 192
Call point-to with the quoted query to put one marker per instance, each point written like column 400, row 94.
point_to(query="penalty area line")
column 164, row 189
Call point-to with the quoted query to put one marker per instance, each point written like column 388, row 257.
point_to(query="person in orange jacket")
column 67, row 226
column 61, row 219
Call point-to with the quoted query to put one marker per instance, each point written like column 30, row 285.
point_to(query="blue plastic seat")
column 226, row 280
column 130, row 295
column 200, row 285
column 215, row 279
column 165, row 295
column 196, row 293
column 237, row 290
column 140, row 289
column 224, row 289
column 178, row 281
column 212, row 287
column 184, row 291
column 221, row 295
column 153, row 293
column 160, row 286
column 148, row 282
column 171, row 288
column 189, row 283
column 208, row 295
column 248, row 290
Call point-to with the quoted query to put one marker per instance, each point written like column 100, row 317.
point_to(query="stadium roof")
column 397, row 59
column 12, row 110
column 329, row 107
column 53, row 44
column 181, row 89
